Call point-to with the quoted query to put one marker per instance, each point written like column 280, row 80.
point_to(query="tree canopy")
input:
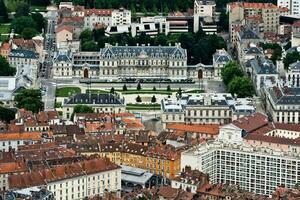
column 5, row 69
column 230, row 71
column 29, row 99
column 7, row 114
column 242, row 87
column 83, row 109
column 20, row 23
column 3, row 12
column 153, row 6
column 22, row 10
column 291, row 58
column 200, row 47
column 277, row 50
column 235, row 80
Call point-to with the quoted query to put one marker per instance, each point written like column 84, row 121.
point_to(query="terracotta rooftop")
column 272, row 139
column 57, row 173
column 5, row 46
column 289, row 127
column 13, row 167
column 252, row 122
column 35, row 136
column 253, row 5
column 101, row 12
column 64, row 27
column 210, row 129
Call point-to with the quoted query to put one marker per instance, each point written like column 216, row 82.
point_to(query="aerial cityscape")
column 149, row 99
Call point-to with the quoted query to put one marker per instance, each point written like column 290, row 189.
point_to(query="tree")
column 223, row 23
column 168, row 88
column 7, row 114
column 86, row 36
column 230, row 71
column 3, row 12
column 20, row 23
column 22, row 10
column 5, row 69
column 28, row 33
column 124, row 87
column 39, row 20
column 179, row 92
column 83, row 109
column 29, row 99
column 112, row 90
column 291, row 58
column 153, row 99
column 277, row 50
column 154, row 88
column 89, row 46
column 242, row 87
column 138, row 87
column 138, row 99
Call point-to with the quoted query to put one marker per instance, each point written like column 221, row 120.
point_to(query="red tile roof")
column 252, row 122
column 63, row 27
column 100, row 12
column 44, row 176
column 210, row 129
column 13, row 167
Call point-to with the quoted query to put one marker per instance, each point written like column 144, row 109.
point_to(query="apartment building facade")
column 292, row 5
column 203, row 8
column 106, row 17
column 264, row 17
column 73, row 181
column 283, row 104
column 255, row 169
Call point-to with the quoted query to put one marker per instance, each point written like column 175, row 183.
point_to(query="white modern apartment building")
column 203, row 8
column 292, row 5
column 230, row 160
column 106, row 17
column 73, row 181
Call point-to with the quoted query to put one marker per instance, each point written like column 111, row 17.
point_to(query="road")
column 50, row 46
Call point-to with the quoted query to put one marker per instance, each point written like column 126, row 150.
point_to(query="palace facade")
column 123, row 62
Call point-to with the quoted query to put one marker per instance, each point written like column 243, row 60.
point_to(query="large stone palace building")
column 120, row 62
column 135, row 62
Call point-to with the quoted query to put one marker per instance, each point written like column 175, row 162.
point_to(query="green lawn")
column 146, row 91
column 143, row 107
column 97, row 91
column 67, row 91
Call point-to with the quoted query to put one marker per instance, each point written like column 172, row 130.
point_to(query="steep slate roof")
column 254, row 50
column 143, row 51
column 23, row 53
column 95, row 99
column 221, row 57
column 63, row 57
column 295, row 65
column 262, row 66
column 285, row 95
column 247, row 33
